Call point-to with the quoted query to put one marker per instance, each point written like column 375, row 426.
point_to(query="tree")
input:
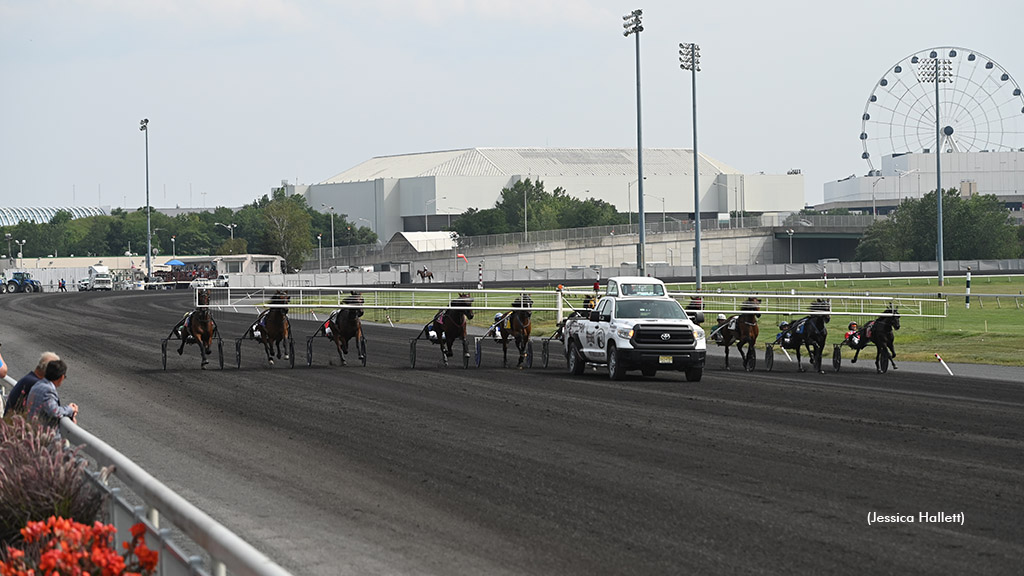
column 288, row 232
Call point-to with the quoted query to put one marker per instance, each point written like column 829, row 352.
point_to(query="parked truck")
column 636, row 326
column 100, row 278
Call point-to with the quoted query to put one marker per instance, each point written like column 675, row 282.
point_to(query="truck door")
column 595, row 337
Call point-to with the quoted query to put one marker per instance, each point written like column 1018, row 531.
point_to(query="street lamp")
column 144, row 126
column 689, row 59
column 634, row 26
column 320, row 251
column 21, row 251
column 331, row 210
column 231, row 228
column 174, row 254
column 937, row 70
column 662, row 210
column 874, row 209
column 790, row 232
column 629, row 202
column 899, row 182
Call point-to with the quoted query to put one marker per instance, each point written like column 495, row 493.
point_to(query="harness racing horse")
column 344, row 324
column 742, row 330
column 518, row 325
column 809, row 332
column 450, row 324
column 198, row 327
column 425, row 275
column 880, row 333
column 272, row 326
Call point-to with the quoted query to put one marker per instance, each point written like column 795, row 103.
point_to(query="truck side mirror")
column 697, row 317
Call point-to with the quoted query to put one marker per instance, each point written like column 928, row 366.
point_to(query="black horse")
column 272, row 326
column 344, row 324
column 880, row 333
column 741, row 330
column 450, row 324
column 808, row 332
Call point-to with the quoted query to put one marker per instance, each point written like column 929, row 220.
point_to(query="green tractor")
column 22, row 282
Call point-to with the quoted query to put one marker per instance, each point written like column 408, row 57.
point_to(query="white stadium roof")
column 536, row 162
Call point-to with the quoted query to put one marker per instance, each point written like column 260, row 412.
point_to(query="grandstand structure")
column 12, row 216
column 426, row 191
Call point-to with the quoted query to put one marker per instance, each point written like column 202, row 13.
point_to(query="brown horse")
column 272, row 326
column 425, row 275
column 450, row 324
column 197, row 327
column 742, row 330
column 517, row 325
column 344, row 324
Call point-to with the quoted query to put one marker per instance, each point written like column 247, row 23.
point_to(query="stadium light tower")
column 633, row 25
column 938, row 70
column 144, row 126
column 689, row 59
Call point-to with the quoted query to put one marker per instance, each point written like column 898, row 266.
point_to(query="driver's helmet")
column 721, row 317
column 852, row 326
column 783, row 325
column 497, row 316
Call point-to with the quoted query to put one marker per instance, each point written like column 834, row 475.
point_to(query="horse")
column 809, row 332
column 425, row 275
column 517, row 325
column 272, row 326
column 880, row 333
column 741, row 329
column 449, row 324
column 344, row 324
column 198, row 327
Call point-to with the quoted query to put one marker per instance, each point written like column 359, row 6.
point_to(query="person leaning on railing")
column 19, row 394
column 44, row 403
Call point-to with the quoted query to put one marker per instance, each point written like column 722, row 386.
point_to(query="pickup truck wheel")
column 694, row 374
column 616, row 371
column 575, row 360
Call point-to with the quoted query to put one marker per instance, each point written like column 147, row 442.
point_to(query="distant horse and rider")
column 516, row 325
column 425, row 275
column 808, row 332
column 449, row 325
column 880, row 333
column 197, row 327
column 741, row 329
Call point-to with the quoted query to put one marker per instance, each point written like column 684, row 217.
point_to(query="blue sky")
column 244, row 94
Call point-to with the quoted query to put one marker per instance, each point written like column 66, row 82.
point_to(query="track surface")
column 392, row 470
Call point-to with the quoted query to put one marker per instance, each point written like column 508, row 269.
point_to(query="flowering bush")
column 62, row 547
column 39, row 478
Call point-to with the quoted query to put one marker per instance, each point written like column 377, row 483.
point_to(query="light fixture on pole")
column 629, row 202
column 320, row 251
column 331, row 210
column 231, row 228
column 634, row 26
column 426, row 225
column 874, row 209
column 689, row 59
column 790, row 232
column 662, row 210
column 899, row 182
column 174, row 253
column 21, row 251
column 937, row 70
column 144, row 126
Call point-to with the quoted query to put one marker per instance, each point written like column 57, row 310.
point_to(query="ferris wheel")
column 980, row 106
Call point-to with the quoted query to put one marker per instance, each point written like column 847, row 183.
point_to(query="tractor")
column 23, row 282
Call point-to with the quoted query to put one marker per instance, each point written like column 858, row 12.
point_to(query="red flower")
column 60, row 547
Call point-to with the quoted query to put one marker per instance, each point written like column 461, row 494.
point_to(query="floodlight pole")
column 634, row 26
column 144, row 126
column 938, row 70
column 689, row 59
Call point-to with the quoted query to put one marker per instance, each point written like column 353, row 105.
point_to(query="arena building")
column 426, row 191
column 43, row 214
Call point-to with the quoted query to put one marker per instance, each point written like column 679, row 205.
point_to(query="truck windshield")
column 668, row 309
column 642, row 289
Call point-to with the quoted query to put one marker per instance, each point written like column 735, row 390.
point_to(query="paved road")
column 392, row 470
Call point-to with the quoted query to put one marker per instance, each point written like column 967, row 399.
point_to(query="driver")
column 852, row 335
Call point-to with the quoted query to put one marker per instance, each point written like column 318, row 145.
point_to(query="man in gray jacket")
column 43, row 401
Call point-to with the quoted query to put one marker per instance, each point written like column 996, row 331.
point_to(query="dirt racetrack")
column 386, row 469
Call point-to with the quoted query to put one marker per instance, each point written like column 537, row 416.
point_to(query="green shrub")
column 40, row 478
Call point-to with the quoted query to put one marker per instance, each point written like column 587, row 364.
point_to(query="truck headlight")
column 698, row 332
column 626, row 333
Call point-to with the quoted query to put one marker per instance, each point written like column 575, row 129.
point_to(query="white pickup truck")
column 636, row 326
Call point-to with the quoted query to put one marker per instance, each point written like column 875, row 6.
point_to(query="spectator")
column 16, row 400
column 43, row 402
column 3, row 367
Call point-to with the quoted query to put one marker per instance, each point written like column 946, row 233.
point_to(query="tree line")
column 275, row 224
